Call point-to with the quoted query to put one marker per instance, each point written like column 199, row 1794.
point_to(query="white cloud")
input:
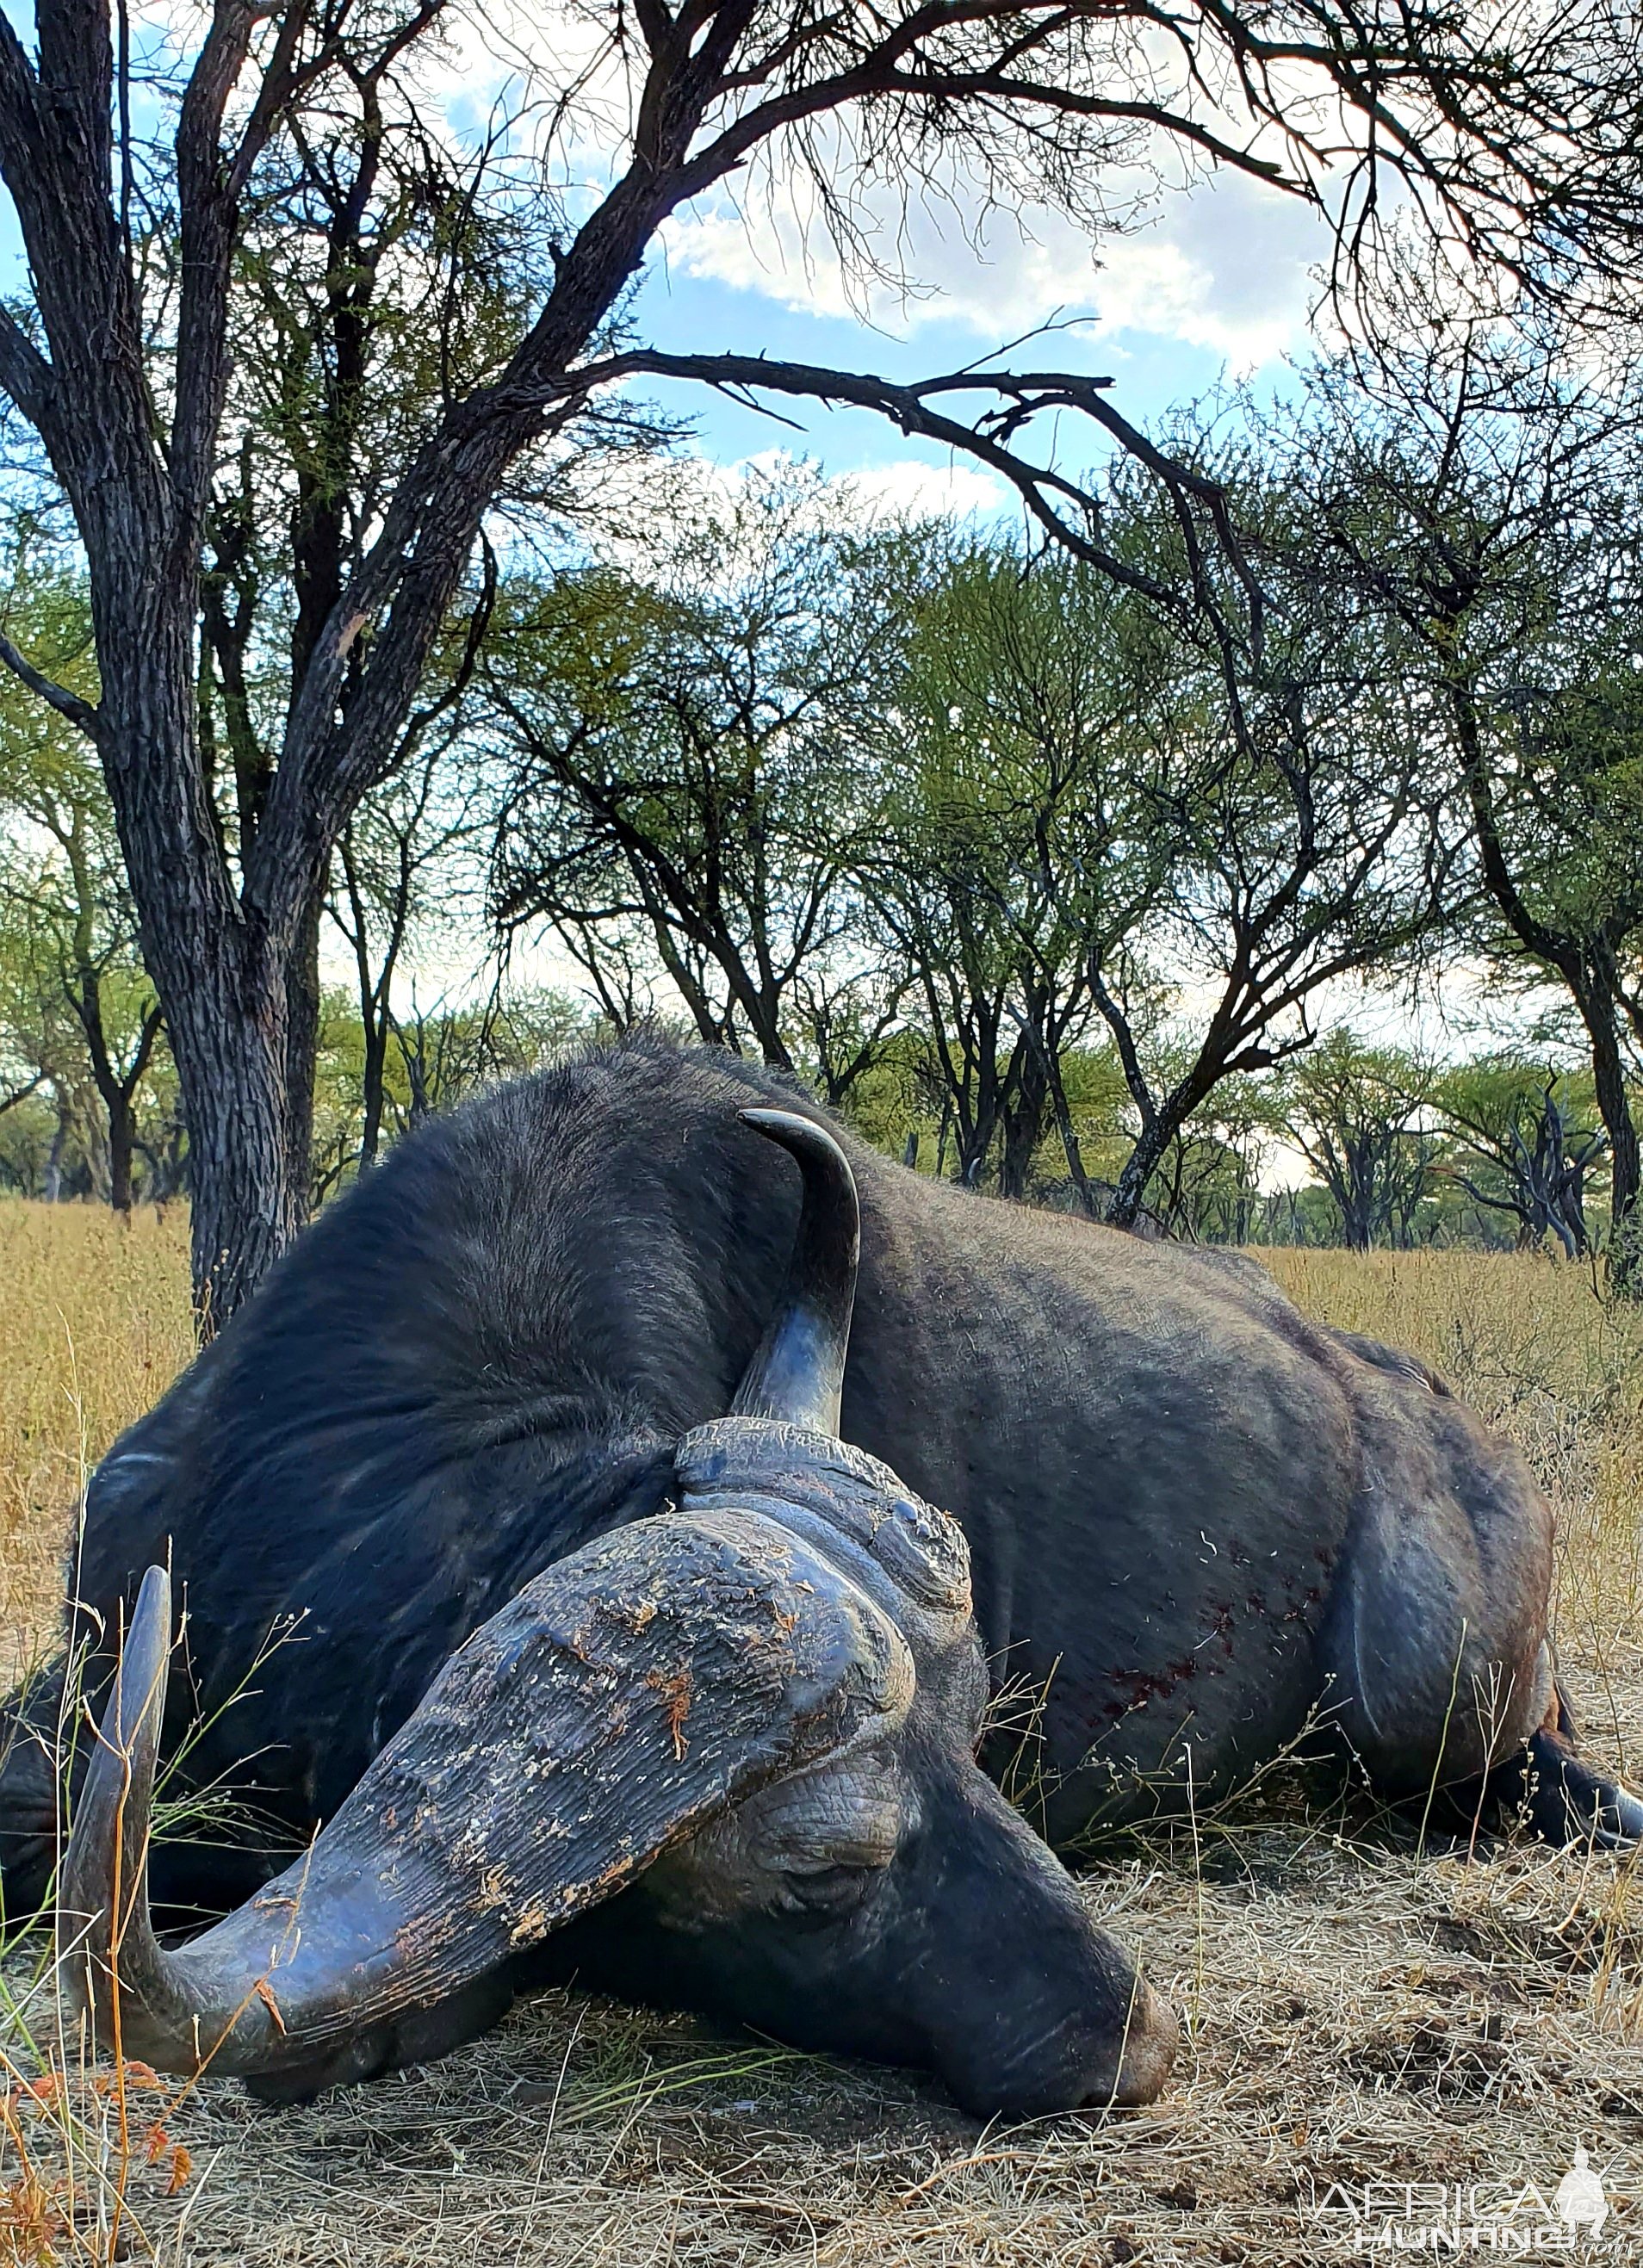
column 902, row 488
column 691, row 486
column 1223, row 265
column 912, row 491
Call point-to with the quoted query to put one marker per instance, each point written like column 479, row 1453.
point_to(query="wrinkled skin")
column 755, row 1714
column 1192, row 1517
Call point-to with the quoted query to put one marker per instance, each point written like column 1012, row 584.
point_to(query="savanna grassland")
column 1354, row 2008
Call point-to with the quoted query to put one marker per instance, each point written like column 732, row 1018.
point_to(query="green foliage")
column 79, row 1017
column 1358, row 1115
column 1481, row 484
column 1526, row 1139
column 438, row 1057
column 686, row 798
column 1018, row 833
column 1022, row 867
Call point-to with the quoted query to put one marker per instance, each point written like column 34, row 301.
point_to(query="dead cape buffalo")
column 591, row 1677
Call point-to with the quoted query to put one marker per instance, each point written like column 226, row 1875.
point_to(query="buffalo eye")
column 826, row 1893
column 826, row 1837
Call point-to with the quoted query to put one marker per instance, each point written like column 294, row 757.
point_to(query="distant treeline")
column 357, row 575
column 1011, row 858
column 1348, row 1144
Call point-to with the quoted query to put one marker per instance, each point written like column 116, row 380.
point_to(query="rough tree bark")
column 233, row 964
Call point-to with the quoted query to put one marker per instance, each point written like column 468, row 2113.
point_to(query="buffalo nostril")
column 1151, row 2038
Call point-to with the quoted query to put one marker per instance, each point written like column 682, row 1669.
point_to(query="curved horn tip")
column 793, row 1131
column 145, row 1657
column 829, row 1178
column 798, row 1372
column 106, row 1861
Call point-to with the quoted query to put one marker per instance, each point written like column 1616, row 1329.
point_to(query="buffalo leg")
column 1438, row 1668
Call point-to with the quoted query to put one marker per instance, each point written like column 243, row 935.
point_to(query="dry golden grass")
column 96, row 1325
column 1355, row 2009
column 1532, row 1347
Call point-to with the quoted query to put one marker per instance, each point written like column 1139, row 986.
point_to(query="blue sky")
column 702, row 314
column 1220, row 282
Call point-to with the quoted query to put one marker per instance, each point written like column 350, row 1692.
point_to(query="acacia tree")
column 683, row 775
column 64, row 893
column 1305, row 836
column 407, row 860
column 122, row 359
column 1355, row 1112
column 1018, row 836
column 1485, row 492
column 1525, row 1146
column 66, row 908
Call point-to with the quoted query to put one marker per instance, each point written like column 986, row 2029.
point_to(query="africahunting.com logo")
column 1507, row 2221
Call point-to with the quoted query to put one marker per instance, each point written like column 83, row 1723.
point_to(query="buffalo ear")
column 622, row 1699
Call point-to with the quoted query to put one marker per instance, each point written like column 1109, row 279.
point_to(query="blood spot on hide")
column 1222, row 1622
column 1143, row 1685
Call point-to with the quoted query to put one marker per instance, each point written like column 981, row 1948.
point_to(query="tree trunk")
column 1072, row 1148
column 225, row 983
column 121, row 1143
column 1023, row 1118
column 974, row 1143
column 1625, row 1217
column 53, row 1185
column 372, row 1089
column 302, row 1048
column 1140, row 1167
column 1353, row 1190
column 228, row 1040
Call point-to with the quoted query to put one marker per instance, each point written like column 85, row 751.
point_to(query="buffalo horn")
column 798, row 1372
column 626, row 1696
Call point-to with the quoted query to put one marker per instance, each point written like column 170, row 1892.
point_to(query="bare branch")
column 58, row 697
column 27, row 375
column 1022, row 397
column 22, row 1093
